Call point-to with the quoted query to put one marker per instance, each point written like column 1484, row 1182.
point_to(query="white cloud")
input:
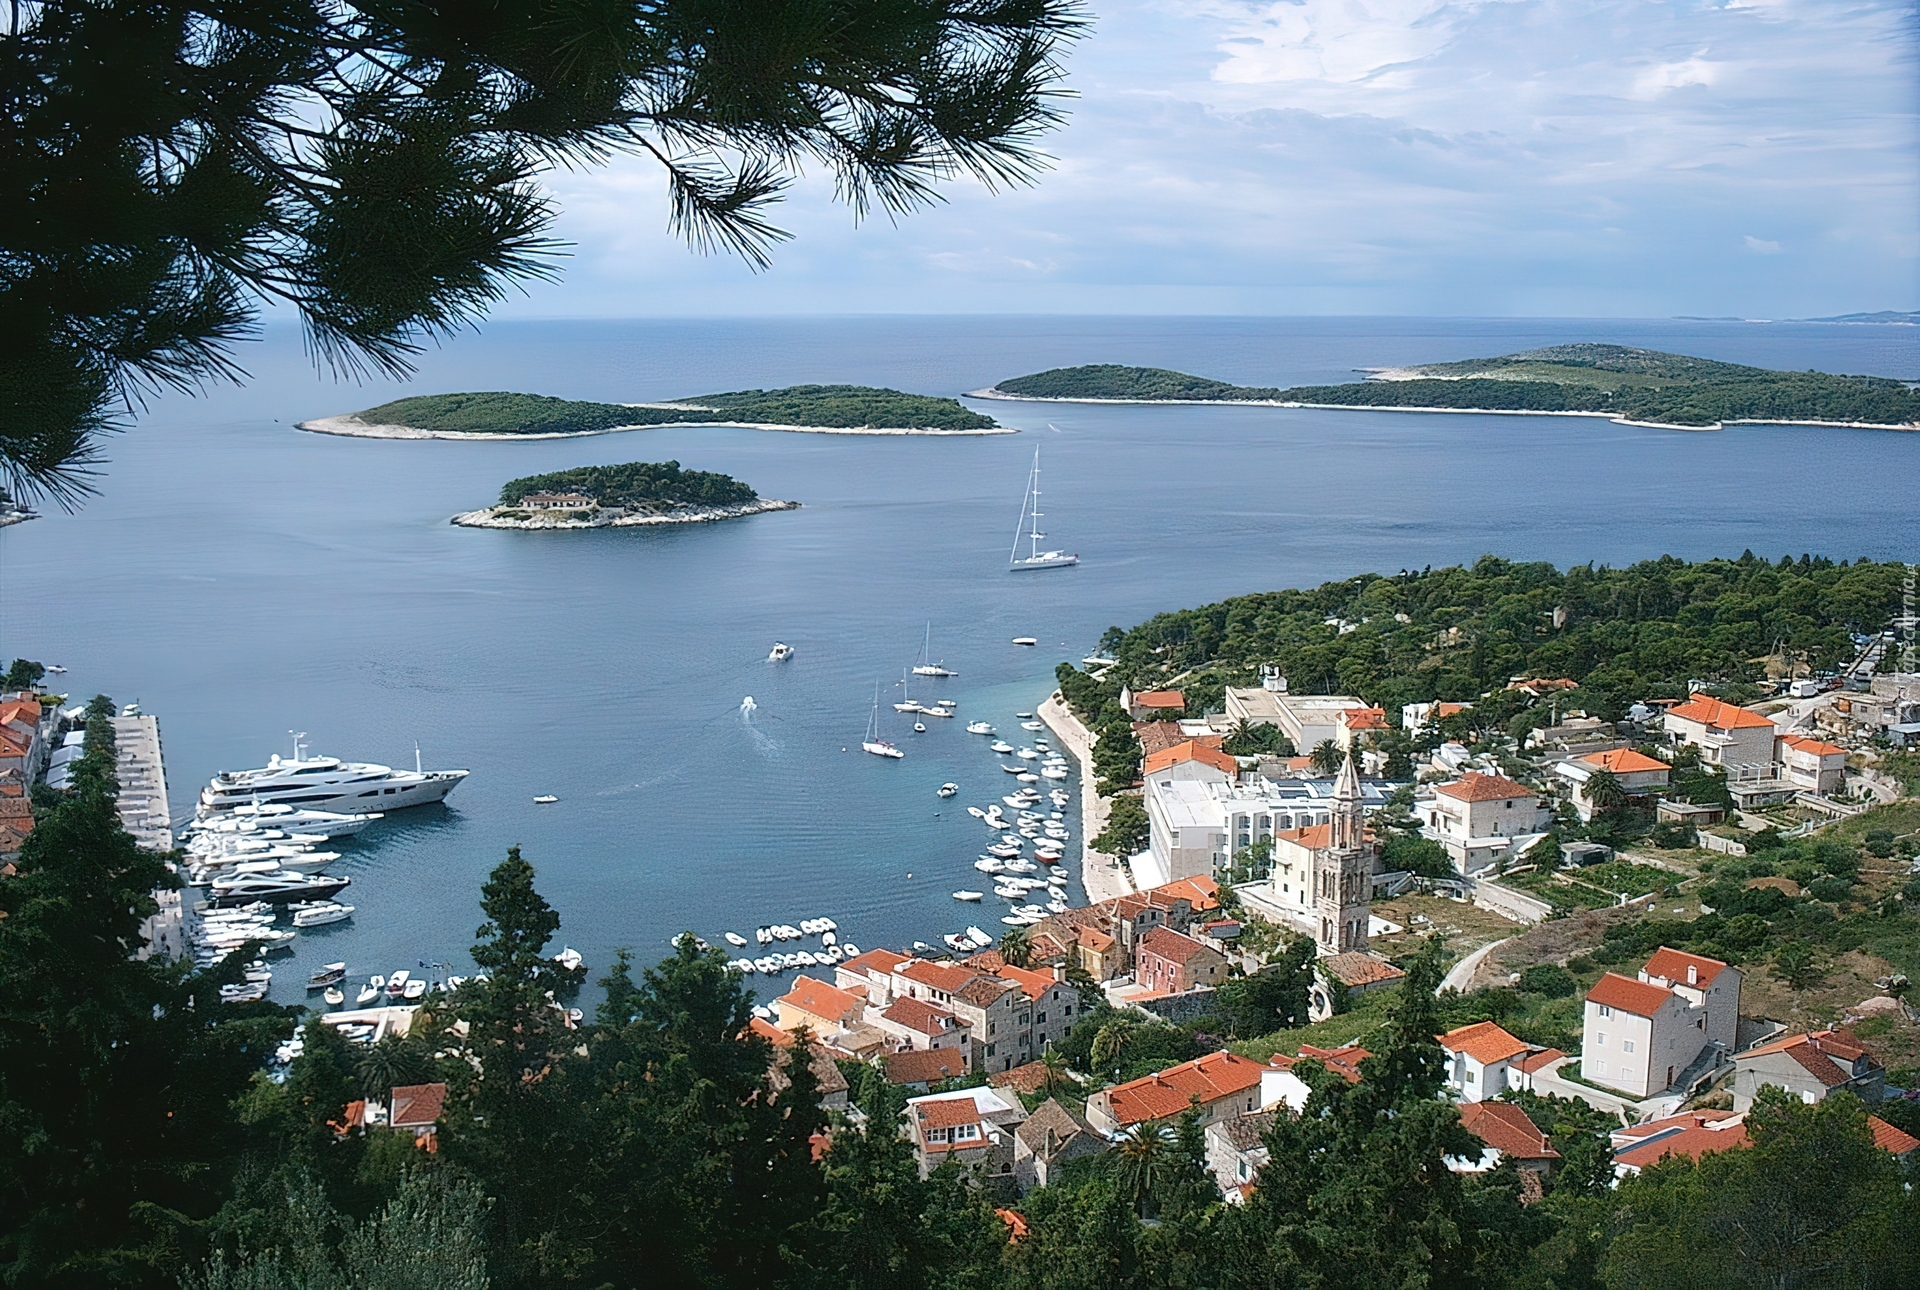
column 1759, row 247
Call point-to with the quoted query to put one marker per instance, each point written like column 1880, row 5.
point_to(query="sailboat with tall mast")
column 926, row 666
column 1030, row 523
column 873, row 743
column 906, row 703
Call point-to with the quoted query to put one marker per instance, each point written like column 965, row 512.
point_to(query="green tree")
column 1605, row 792
column 1275, row 997
column 22, row 674
column 1327, row 757
column 1187, row 1189
column 1014, row 948
column 375, row 168
column 1128, row 828
column 1412, row 853
column 1798, row 964
column 1110, row 1043
column 1142, row 1164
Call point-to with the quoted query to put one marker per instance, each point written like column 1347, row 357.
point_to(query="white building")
column 1479, row 1058
column 1727, row 736
column 1637, row 773
column 1306, row 719
column 1639, row 1036
column 1810, row 764
column 1480, row 818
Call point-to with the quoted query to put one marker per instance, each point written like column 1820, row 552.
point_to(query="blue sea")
column 243, row 580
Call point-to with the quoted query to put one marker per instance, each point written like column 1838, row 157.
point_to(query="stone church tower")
column 1343, row 885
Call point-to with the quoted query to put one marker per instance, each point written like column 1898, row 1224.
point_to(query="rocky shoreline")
column 492, row 517
column 353, row 427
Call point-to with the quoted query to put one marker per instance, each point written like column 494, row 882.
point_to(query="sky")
column 1572, row 158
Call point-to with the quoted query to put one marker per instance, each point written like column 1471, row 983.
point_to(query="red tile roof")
column 1035, row 984
column 1827, row 1055
column 1171, row 945
column 947, row 1112
column 940, row 976
column 1343, row 1061
column 817, row 998
column 1888, row 1138
column 1364, row 719
column 1628, row 995
column 1030, row 1078
column 1718, row 715
column 1693, row 1134
column 1169, row 1092
column 1156, row 736
column 1673, row 965
column 1202, row 893
column 882, row 961
column 771, row 1033
column 1016, row 1225
column 1483, row 1041
column 1624, row 761
column 1506, row 1128
column 924, row 1066
column 1357, row 969
column 417, row 1106
column 1191, row 750
column 1160, row 699
column 1813, row 746
column 1537, row 1061
column 921, row 1017
column 1484, row 788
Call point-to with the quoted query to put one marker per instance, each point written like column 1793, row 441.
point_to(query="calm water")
column 241, row 579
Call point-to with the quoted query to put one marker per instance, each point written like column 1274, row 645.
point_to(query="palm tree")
column 390, row 1064
column 1327, row 757
column 1141, row 1163
column 1014, row 948
column 1053, row 1072
column 1112, row 1041
column 1605, row 792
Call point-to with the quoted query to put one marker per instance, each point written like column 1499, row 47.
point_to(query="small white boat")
column 919, row 727
column 849, row 949
column 320, row 915
column 946, row 703
column 1027, row 777
column 546, row 799
column 1033, row 725
column 976, row 813
column 735, row 938
column 1014, row 920
column 1001, row 746
column 568, row 958
column 827, row 939
column 947, row 789
column 1009, row 893
column 377, row 981
column 979, row 937
column 979, row 728
column 334, row 996
column 1025, row 640
column 1027, row 754
column 1014, row 769
column 970, row 896
column 988, row 864
column 780, row 652
column 368, row 993
column 1054, row 772
column 415, row 989
column 397, row 984
column 958, row 943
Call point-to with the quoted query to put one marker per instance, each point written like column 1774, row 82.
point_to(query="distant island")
column 623, row 496
column 820, row 409
column 1641, row 386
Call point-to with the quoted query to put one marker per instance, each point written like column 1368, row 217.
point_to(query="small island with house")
column 621, row 496
column 1621, row 383
column 816, row 409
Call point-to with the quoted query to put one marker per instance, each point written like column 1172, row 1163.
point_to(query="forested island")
column 827, row 409
column 620, row 496
column 1617, row 381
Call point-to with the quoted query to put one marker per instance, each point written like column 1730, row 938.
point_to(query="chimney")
column 1693, row 975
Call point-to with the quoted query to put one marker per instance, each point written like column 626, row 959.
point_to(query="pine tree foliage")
column 166, row 166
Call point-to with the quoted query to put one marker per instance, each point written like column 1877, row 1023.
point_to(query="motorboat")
column 1033, row 725
column 276, row 816
column 279, row 888
column 570, row 959
column 1001, row 746
column 1002, row 851
column 368, row 993
column 1027, row 754
column 957, row 943
column 947, row 789
column 321, row 915
column 873, row 743
column 377, row 981
column 780, row 652
column 936, row 711
column 734, row 938
column 827, row 939
column 1054, row 772
column 1027, row 777
column 1013, row 920
column 1009, row 893
column 1023, row 715
column 545, row 799
column 397, row 984
column 415, row 989
column 976, row 813
column 946, row 703
column 1060, row 798
column 848, row 949
column 333, row 996
column 764, row 935
column 979, row 937
column 979, row 728
column 926, row 666
column 1025, row 640
column 972, row 897
column 989, row 864
column 330, row 974
column 327, row 784
column 919, row 727
column 1015, row 769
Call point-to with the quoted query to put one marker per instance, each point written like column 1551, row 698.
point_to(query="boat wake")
column 763, row 743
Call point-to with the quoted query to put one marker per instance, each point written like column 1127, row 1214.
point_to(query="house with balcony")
column 1222, row 1084
column 1481, row 819
column 1726, row 735
column 1811, row 765
column 1641, row 1035
column 1641, row 776
column 1812, row 1067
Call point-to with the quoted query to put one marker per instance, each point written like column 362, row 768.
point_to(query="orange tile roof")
column 1820, row 1053
column 818, row 999
column 1154, row 736
column 1623, row 761
column 1016, row 1225
column 1191, row 750
column 947, row 1112
column 416, row 1106
column 1484, row 788
column 1201, row 892
column 1628, row 995
column 1506, row 1128
column 1537, row 1061
column 1160, row 699
column 1035, row 984
column 1096, row 940
column 1030, row 1078
column 922, row 1017
column 1356, row 969
column 1889, row 1138
column 1314, row 837
column 1673, row 964
column 1169, row 1092
column 1718, row 715
column 1344, row 1061
column 1364, row 718
column 878, row 960
column 1692, row 1134
column 1813, row 746
column 940, row 976
column 924, row 1065
column 1170, row 945
column 771, row 1033
column 1483, row 1041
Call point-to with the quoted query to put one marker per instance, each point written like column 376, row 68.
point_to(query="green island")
column 851, row 409
column 1612, row 380
column 633, row 493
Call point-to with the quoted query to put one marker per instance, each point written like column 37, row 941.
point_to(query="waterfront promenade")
column 1103, row 877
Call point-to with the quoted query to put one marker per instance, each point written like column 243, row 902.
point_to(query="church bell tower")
column 1343, row 885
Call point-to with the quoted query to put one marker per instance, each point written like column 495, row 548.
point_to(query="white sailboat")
column 926, row 666
column 1030, row 522
column 906, row 703
column 873, row 743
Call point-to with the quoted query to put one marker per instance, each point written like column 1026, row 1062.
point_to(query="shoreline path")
column 1103, row 877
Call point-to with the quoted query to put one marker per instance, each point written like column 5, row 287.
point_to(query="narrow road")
column 1462, row 972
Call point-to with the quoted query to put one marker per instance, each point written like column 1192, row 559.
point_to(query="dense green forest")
column 1637, row 384
column 820, row 406
column 637, row 485
column 647, row 1146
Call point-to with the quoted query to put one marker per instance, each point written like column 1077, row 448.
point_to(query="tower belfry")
column 1343, row 887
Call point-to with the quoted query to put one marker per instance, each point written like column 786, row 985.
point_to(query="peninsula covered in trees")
column 634, row 493
column 830, row 409
column 1616, row 381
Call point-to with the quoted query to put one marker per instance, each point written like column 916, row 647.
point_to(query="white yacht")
column 873, row 743
column 327, row 784
column 979, row 728
column 926, row 666
column 780, row 652
column 288, row 819
column 1030, row 521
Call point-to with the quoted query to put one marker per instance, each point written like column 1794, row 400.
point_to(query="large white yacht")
column 327, row 784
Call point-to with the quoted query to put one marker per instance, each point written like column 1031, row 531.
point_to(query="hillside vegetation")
column 813, row 406
column 1637, row 384
column 636, row 485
